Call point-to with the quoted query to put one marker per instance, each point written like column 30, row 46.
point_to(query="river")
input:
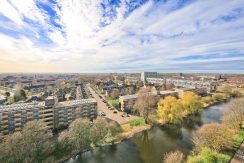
column 150, row 146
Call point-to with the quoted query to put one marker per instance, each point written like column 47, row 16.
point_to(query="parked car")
column 101, row 113
column 115, row 112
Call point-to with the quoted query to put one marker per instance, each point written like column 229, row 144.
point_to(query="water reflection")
column 150, row 146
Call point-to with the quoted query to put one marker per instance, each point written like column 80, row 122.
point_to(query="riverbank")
column 236, row 154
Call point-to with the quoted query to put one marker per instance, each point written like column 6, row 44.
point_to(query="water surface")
column 150, row 146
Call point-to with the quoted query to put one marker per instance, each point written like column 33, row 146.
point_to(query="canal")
column 150, row 146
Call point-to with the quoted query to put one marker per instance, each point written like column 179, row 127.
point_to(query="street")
column 110, row 113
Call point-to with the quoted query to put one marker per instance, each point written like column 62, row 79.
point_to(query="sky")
column 122, row 36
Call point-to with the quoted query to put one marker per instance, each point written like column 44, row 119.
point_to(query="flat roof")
column 30, row 105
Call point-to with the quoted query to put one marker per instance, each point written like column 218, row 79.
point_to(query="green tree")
column 12, row 148
column 36, row 141
column 30, row 145
column 19, row 93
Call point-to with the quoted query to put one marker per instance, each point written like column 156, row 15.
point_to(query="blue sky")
column 122, row 36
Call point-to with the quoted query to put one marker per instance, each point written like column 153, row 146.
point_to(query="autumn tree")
column 191, row 102
column 174, row 157
column 218, row 97
column 145, row 103
column 227, row 89
column 214, row 136
column 170, row 110
column 234, row 114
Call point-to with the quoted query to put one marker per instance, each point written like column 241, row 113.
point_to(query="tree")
column 227, row 89
column 207, row 155
column 36, row 141
column 170, row 110
column 207, row 99
column 214, row 136
column 10, row 100
column 174, row 157
column 145, row 103
column 234, row 114
column 169, row 86
column 218, row 97
column 79, row 132
column 129, row 91
column 191, row 102
column 114, row 93
column 99, row 130
column 30, row 145
column 7, row 94
column 19, row 93
column 12, row 148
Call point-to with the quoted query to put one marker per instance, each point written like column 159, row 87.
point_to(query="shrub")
column 207, row 155
column 173, row 157
column 214, row 136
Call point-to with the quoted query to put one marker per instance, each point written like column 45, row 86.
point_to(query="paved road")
column 109, row 113
column 239, row 156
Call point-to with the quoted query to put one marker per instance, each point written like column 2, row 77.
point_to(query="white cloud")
column 152, row 36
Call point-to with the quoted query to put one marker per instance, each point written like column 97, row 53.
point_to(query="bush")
column 173, row 157
column 207, row 155
column 218, row 97
column 214, row 136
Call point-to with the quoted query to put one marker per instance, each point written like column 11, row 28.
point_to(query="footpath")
column 239, row 155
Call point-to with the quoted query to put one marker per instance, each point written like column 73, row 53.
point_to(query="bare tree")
column 145, row 103
column 214, row 136
column 114, row 93
column 173, row 157
column 234, row 115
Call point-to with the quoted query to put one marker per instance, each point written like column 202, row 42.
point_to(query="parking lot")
column 110, row 114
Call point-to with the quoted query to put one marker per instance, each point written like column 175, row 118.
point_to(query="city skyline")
column 122, row 36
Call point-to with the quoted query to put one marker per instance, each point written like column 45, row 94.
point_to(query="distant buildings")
column 145, row 75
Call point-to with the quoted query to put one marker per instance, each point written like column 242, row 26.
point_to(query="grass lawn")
column 136, row 122
column 114, row 103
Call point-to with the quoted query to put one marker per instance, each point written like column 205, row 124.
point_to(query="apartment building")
column 127, row 102
column 145, row 75
column 13, row 117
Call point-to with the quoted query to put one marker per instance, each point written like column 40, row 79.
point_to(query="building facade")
column 145, row 75
column 14, row 117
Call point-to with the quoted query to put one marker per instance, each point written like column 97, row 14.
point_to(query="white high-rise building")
column 145, row 75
